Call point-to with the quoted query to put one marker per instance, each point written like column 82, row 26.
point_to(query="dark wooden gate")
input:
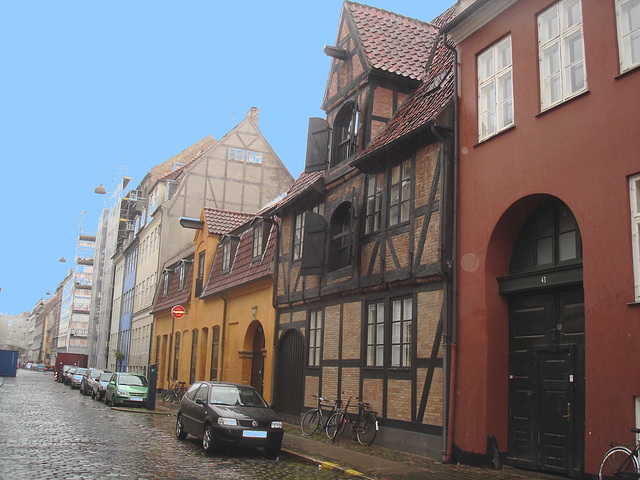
column 546, row 387
column 257, row 363
column 290, row 376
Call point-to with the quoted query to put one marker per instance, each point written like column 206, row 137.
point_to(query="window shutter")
column 313, row 244
column 317, row 145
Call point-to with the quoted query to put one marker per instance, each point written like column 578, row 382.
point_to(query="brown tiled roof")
column 244, row 269
column 301, row 185
column 175, row 296
column 435, row 92
column 221, row 222
column 391, row 42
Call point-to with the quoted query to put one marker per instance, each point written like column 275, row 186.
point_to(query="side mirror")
column 199, row 401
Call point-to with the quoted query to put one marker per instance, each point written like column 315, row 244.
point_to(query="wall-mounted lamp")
column 62, row 260
column 100, row 190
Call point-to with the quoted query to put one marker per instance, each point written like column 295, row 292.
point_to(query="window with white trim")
column 236, row 154
column 634, row 194
column 254, row 157
column 561, row 53
column 401, row 326
column 495, row 89
column 375, row 334
column 628, row 22
column 315, row 337
column 226, row 256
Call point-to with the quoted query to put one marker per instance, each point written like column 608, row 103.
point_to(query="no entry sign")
column 178, row 311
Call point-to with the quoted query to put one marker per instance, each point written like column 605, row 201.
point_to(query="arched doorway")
column 546, row 343
column 290, row 375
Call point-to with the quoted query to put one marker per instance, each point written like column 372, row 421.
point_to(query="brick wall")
column 331, row 332
column 352, row 320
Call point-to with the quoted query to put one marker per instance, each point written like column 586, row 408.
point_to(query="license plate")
column 254, row 434
column 136, row 399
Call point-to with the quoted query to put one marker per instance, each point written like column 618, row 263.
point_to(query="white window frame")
column 495, row 89
column 254, row 157
column 554, row 42
column 634, row 197
column 628, row 27
column 315, row 337
column 236, row 154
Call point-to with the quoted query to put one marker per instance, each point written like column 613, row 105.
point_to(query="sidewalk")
column 376, row 462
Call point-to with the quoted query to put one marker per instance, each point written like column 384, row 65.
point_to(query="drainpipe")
column 224, row 329
column 454, row 262
column 274, row 348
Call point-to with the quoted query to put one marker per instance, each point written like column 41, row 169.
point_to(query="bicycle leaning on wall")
column 621, row 462
column 364, row 427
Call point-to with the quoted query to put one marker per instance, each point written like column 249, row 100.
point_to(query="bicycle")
column 620, row 462
column 175, row 393
column 364, row 427
column 313, row 420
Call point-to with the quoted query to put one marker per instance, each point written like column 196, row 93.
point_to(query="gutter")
column 452, row 327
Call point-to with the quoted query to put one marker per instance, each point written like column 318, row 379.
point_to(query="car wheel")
column 93, row 394
column 207, row 439
column 180, row 433
column 106, row 400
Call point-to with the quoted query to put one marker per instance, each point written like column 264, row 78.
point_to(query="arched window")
column 550, row 238
column 340, row 248
column 345, row 131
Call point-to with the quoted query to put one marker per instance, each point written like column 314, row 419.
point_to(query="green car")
column 126, row 389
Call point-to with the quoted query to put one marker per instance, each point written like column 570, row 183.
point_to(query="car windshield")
column 104, row 377
column 133, row 380
column 80, row 371
column 246, row 397
column 96, row 373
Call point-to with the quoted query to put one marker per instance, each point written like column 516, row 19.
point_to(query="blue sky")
column 92, row 91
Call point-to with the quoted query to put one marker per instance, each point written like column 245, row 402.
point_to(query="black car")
column 229, row 414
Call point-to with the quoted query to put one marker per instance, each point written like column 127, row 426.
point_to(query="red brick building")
column 547, row 257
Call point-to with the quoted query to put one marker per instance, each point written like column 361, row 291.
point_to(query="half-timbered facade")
column 363, row 278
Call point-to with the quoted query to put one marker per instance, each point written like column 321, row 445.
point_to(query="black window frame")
column 374, row 203
column 344, row 134
column 341, row 237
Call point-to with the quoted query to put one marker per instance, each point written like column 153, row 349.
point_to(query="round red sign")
column 178, row 311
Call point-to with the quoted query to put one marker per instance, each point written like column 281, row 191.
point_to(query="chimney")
column 254, row 115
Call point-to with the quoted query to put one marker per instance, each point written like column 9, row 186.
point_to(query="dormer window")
column 258, row 233
column 181, row 276
column 226, row 256
column 345, row 131
column 165, row 283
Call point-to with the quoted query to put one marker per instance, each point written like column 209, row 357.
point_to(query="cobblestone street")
column 48, row 431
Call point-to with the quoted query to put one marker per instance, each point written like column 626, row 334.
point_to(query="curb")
column 142, row 410
column 327, row 465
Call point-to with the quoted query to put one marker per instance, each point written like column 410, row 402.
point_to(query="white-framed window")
column 561, row 53
column 226, row 256
column 298, row 235
column 375, row 334
column 628, row 22
column 634, row 196
column 315, row 337
column 401, row 327
column 400, row 193
column 236, row 154
column 495, row 89
column 254, row 157
column 257, row 241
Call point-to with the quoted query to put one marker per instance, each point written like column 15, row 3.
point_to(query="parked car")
column 88, row 379
column 100, row 386
column 66, row 379
column 49, row 368
column 222, row 413
column 126, row 389
column 76, row 377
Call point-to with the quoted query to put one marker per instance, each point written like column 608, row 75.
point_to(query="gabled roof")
column 174, row 295
column 433, row 95
column 392, row 43
column 221, row 222
column 244, row 269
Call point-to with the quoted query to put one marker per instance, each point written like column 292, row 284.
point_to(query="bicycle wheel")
column 367, row 429
column 335, row 425
column 310, row 422
column 166, row 396
column 617, row 460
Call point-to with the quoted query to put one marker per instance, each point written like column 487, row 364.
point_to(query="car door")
column 200, row 408
column 187, row 407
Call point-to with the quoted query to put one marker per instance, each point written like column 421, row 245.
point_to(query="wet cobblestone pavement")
column 48, row 431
